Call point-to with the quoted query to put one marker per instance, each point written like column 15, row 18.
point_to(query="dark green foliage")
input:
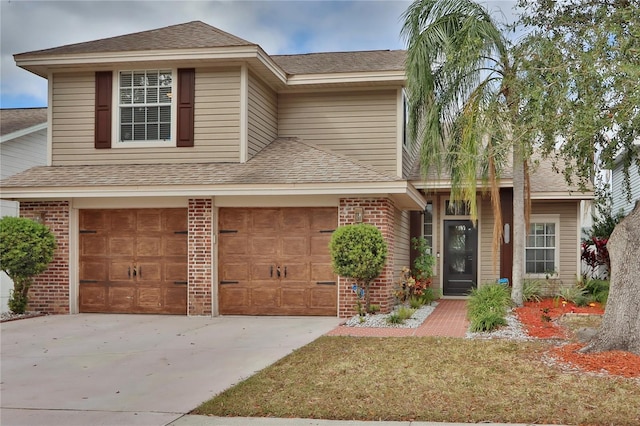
column 424, row 262
column 598, row 290
column 26, row 249
column 358, row 252
column 487, row 307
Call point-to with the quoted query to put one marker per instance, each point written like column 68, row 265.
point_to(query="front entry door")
column 460, row 257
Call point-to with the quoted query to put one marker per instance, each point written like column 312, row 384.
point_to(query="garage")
column 133, row 261
column 275, row 261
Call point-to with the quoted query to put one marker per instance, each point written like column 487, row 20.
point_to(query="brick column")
column 201, row 261
column 378, row 212
column 50, row 290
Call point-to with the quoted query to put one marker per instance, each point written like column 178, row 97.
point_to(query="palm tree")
column 461, row 83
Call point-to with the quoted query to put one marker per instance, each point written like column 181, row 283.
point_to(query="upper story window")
column 145, row 106
column 541, row 249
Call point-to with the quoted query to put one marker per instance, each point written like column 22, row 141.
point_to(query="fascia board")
column 396, row 187
column 446, row 184
column 356, row 77
column 22, row 132
column 577, row 195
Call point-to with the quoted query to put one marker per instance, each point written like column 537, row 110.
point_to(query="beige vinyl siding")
column 402, row 243
column 487, row 274
column 263, row 115
column 361, row 125
column 216, row 130
column 568, row 210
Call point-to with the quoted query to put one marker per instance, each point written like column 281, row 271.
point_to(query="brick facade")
column 200, row 257
column 50, row 290
column 378, row 212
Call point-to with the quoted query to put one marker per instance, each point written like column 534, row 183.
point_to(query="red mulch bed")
column 540, row 320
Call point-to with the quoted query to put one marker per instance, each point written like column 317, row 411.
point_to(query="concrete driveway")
column 134, row 369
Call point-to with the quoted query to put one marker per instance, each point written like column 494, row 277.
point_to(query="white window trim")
column 115, row 113
column 548, row 218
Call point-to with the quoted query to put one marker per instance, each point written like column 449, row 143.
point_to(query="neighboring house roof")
column 339, row 62
column 190, row 35
column 16, row 122
column 546, row 183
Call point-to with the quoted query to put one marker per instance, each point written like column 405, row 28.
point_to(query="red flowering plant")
column 596, row 254
column 414, row 284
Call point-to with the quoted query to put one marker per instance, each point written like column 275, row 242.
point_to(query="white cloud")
column 280, row 27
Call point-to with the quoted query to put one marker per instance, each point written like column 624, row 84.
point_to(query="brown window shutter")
column 186, row 96
column 103, row 110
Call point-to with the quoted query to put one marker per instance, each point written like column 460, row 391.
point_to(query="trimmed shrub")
column 358, row 252
column 26, row 249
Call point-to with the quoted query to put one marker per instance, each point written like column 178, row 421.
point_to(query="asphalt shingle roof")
column 191, row 35
column 15, row 119
column 336, row 62
column 284, row 161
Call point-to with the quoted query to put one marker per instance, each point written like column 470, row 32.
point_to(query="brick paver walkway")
column 449, row 319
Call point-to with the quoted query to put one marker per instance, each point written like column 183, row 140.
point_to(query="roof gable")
column 191, row 35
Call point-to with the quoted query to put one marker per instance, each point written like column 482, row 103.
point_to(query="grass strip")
column 428, row 379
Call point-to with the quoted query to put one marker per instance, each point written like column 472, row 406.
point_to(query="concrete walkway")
column 449, row 319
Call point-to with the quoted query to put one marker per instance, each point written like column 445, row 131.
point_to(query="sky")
column 279, row 27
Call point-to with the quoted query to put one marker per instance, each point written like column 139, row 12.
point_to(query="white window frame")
column 433, row 226
column 555, row 219
column 405, row 120
column 115, row 117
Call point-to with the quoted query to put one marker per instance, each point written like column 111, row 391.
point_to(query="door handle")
column 278, row 271
column 129, row 271
column 135, row 272
column 285, row 272
column 271, row 271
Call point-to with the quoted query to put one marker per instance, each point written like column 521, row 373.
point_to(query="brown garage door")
column 276, row 261
column 133, row 261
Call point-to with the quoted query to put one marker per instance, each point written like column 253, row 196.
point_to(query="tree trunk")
column 620, row 329
column 519, row 226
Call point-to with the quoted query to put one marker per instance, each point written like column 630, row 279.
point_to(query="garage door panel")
column 265, row 296
column 234, row 222
column 231, row 244
column 324, row 297
column 322, row 272
column 149, row 220
column 94, row 245
column 295, row 245
column 323, row 219
column 175, row 271
column 262, row 271
column 175, row 299
column 175, row 246
column 149, row 246
column 234, row 298
column 175, row 221
column 236, row 271
column 93, row 220
column 265, row 220
column 93, row 298
column 149, row 298
column 319, row 244
column 294, row 298
column 120, row 270
column 295, row 219
column 295, row 270
column 149, row 271
column 264, row 246
column 122, row 246
column 121, row 299
column 94, row 270
column 122, row 221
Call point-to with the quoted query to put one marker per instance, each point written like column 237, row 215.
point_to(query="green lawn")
column 429, row 379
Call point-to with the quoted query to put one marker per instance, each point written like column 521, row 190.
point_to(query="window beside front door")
column 427, row 226
column 541, row 248
column 145, row 107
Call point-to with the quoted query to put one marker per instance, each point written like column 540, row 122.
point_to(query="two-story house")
column 190, row 172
